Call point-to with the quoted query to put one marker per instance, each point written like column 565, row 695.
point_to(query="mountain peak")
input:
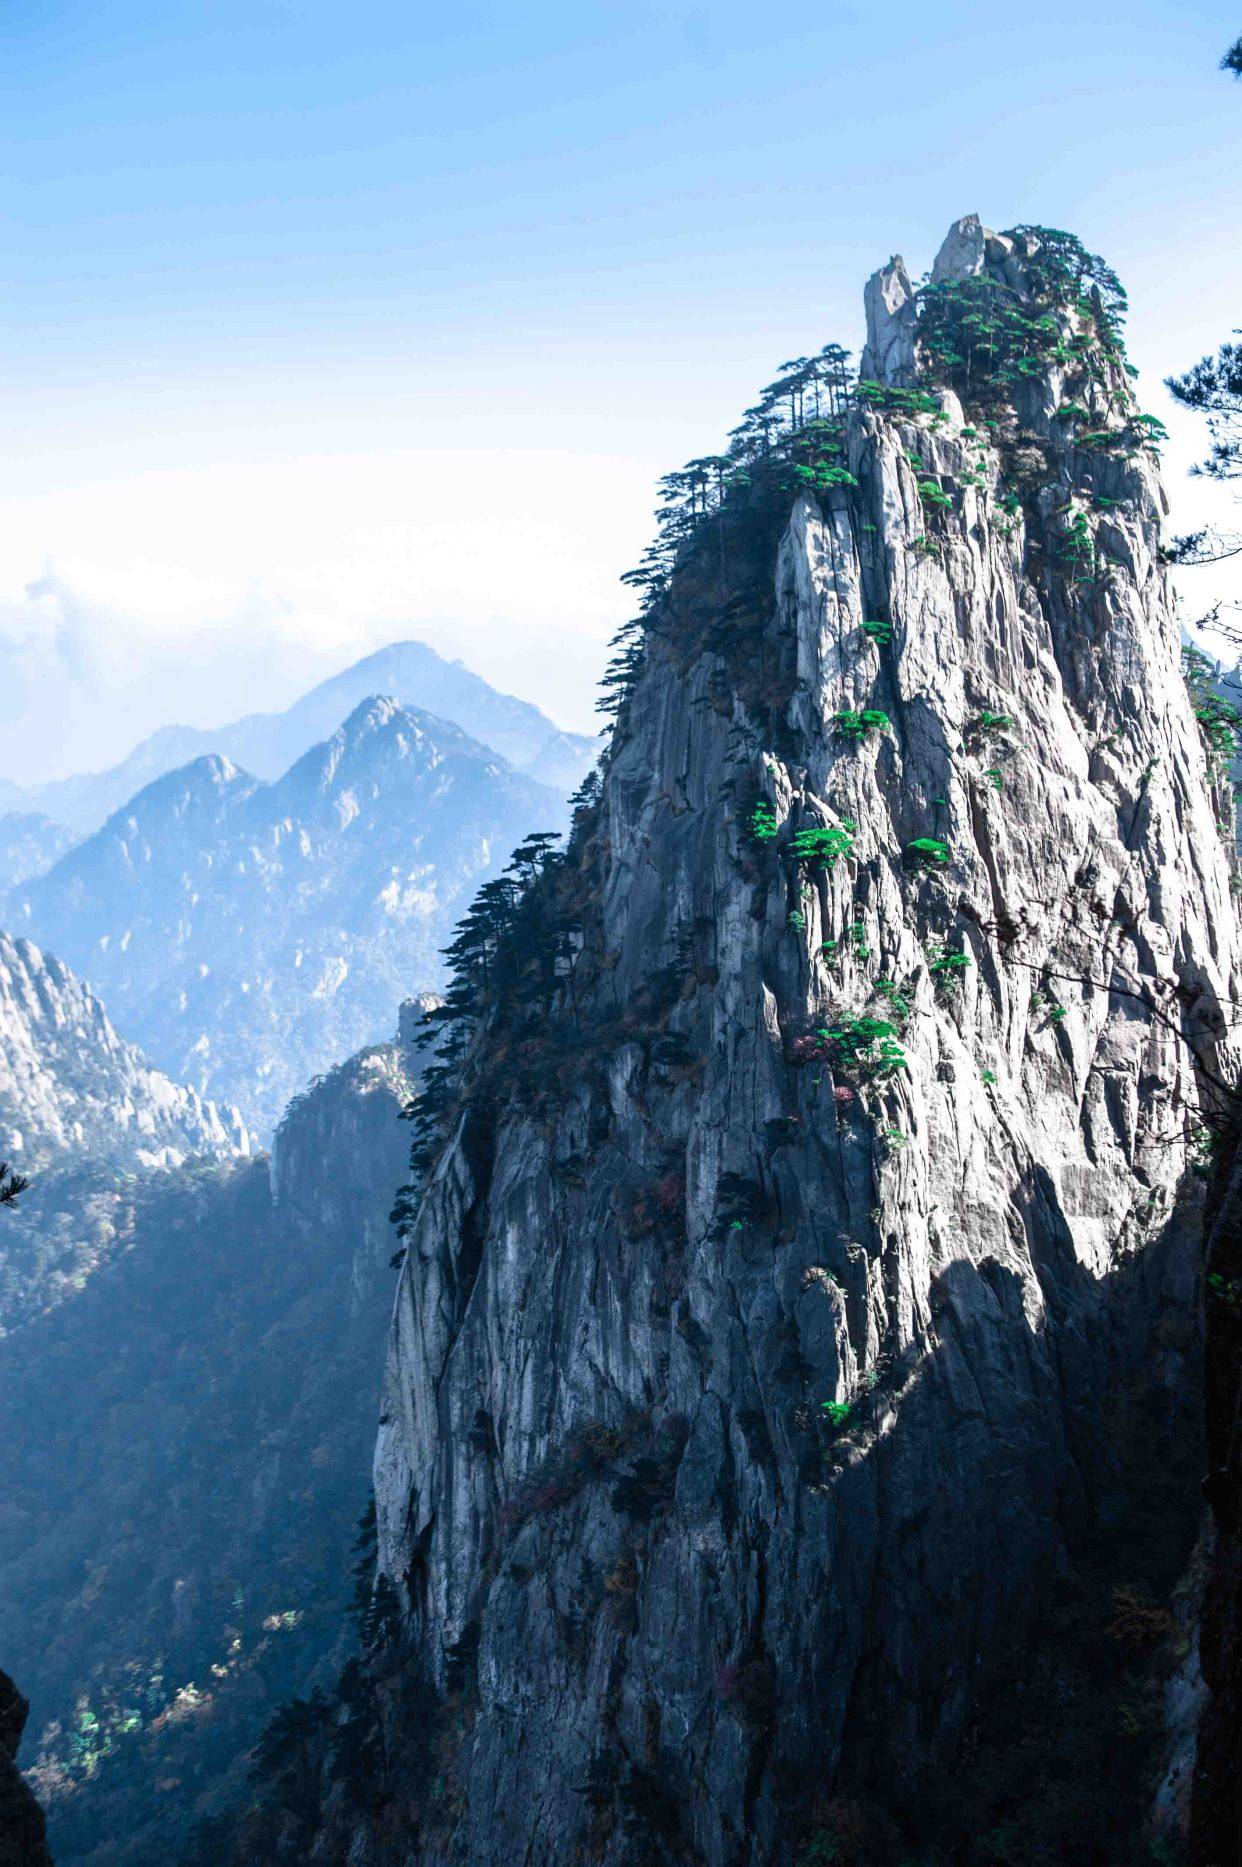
column 250, row 933
column 832, row 1128
column 269, row 744
column 370, row 714
column 209, row 782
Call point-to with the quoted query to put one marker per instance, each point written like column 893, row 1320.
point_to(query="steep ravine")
column 809, row 1261
column 185, row 1457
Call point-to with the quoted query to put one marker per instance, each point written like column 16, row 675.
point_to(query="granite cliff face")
column 751, row 1368
column 1216, row 1821
column 68, row 1083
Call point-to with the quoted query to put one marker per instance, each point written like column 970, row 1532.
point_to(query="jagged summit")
column 69, row 1084
column 382, row 725
column 805, row 1184
column 1010, row 262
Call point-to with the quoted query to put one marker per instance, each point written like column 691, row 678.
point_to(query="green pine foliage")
column 12, row 1184
column 856, row 725
column 821, row 846
column 928, row 851
column 1220, row 721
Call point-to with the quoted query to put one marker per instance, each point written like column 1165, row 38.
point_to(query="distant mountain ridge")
column 268, row 743
column 249, row 934
column 29, row 844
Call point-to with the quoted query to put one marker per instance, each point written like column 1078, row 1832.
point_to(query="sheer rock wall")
column 607, row 1485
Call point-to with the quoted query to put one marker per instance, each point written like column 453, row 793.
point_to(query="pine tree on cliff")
column 779, row 1281
column 11, row 1184
column 1213, row 388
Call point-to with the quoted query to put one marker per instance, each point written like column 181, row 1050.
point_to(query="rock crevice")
column 795, row 1297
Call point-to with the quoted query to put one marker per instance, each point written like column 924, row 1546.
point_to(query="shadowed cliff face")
column 1216, row 1822
column 674, row 1592
column 22, row 1827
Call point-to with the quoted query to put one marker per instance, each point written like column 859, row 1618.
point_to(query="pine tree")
column 11, row 1184
column 1213, row 387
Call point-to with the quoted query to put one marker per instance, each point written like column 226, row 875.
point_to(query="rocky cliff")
column 1216, row 1825
column 810, row 1196
column 68, row 1083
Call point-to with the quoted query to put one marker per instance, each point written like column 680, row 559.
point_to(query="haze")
column 329, row 327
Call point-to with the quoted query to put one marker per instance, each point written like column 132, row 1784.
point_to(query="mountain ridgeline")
column 268, row 743
column 790, row 1442
column 250, row 933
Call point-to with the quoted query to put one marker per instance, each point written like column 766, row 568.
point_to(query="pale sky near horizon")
column 323, row 326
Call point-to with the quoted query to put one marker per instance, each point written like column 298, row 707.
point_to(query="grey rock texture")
column 1216, row 1806
column 69, row 1084
column 888, row 300
column 963, row 250
column 606, row 1481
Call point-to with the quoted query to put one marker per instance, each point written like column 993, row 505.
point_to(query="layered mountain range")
column 190, row 1333
column 790, row 1433
column 268, row 743
column 249, row 934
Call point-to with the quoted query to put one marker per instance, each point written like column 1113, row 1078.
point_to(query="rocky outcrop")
column 751, row 1365
column 888, row 300
column 962, row 251
column 69, row 1084
column 22, row 1826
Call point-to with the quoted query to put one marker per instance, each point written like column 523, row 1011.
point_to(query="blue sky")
column 326, row 324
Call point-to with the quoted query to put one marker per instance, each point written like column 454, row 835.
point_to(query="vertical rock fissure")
column 803, row 1360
